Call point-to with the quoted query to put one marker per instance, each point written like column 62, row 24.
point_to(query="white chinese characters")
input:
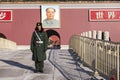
column 2, row 15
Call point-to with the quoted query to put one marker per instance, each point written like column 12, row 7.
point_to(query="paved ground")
column 60, row 65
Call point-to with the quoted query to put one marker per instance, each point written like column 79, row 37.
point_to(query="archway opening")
column 2, row 36
column 54, row 39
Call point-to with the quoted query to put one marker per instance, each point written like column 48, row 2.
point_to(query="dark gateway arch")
column 54, row 38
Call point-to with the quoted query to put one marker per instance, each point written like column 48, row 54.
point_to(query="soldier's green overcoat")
column 39, row 50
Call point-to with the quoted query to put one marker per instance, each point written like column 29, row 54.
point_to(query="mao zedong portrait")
column 50, row 21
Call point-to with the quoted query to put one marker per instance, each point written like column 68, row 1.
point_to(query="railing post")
column 118, row 62
column 96, row 72
column 83, row 49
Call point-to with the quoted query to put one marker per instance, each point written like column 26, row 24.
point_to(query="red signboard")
column 104, row 15
column 5, row 15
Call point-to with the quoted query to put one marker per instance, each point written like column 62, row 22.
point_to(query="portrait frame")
column 55, row 23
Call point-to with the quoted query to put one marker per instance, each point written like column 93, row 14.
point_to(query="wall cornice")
column 62, row 6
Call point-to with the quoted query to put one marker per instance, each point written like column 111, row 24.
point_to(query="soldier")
column 50, row 21
column 39, row 42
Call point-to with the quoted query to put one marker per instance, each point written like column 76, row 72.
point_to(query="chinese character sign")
column 104, row 15
column 5, row 15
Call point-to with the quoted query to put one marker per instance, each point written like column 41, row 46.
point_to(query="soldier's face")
column 39, row 28
column 50, row 13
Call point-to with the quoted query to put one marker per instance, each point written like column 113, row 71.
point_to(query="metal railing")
column 102, row 56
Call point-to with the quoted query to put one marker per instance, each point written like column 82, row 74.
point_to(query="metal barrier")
column 100, row 55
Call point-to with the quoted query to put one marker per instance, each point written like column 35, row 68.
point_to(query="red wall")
column 73, row 21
